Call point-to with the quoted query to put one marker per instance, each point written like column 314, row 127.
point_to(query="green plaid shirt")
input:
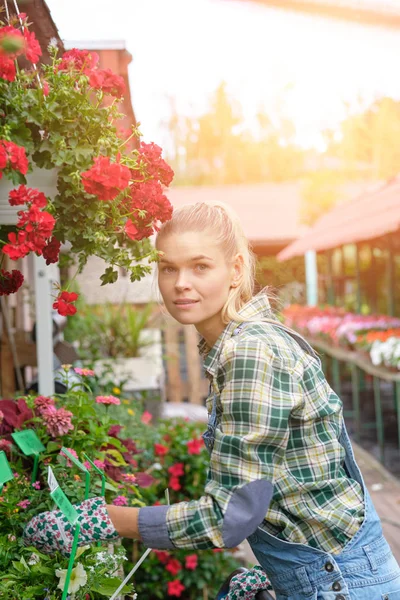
column 278, row 420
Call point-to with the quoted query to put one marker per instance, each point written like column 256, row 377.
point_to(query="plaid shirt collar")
column 257, row 308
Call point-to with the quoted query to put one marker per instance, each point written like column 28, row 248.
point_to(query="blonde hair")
column 224, row 223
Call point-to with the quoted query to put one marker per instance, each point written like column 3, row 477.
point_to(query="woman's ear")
column 237, row 269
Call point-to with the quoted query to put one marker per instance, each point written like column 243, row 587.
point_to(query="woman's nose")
column 182, row 282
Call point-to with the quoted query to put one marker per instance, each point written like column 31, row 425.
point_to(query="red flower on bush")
column 10, row 282
column 177, row 469
column 108, row 82
column 162, row 556
column 195, row 446
column 51, row 250
column 78, row 60
column 106, row 179
column 12, row 157
column 12, row 42
column 64, row 303
column 174, row 484
column 191, row 561
column 160, row 450
column 150, row 157
column 18, row 246
column 175, row 588
column 24, row 195
column 33, row 50
column 7, row 70
column 173, row 566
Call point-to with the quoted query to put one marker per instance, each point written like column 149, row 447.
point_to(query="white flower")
column 33, row 559
column 78, row 578
column 157, row 467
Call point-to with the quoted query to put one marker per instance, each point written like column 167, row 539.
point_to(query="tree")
column 217, row 148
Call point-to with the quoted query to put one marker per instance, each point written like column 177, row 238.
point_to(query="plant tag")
column 61, row 499
column 51, row 480
column 28, row 442
column 5, row 470
column 73, row 459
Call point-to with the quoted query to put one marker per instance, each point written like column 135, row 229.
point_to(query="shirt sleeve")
column 259, row 394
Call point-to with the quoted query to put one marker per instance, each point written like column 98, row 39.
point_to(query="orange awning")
column 365, row 217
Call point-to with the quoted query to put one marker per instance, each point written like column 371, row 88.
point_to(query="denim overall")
column 365, row 569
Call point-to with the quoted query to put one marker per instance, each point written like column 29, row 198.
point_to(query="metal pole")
column 311, row 277
column 44, row 326
column 379, row 418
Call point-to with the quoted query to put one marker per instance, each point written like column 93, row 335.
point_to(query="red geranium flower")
column 33, row 50
column 106, row 179
column 150, row 156
column 177, row 469
column 10, row 282
column 18, row 246
column 162, row 556
column 64, row 303
column 78, row 60
column 174, row 484
column 191, row 561
column 160, row 450
column 12, row 156
column 195, row 446
column 173, row 566
column 52, row 250
column 7, row 70
column 175, row 588
column 108, row 82
column 24, row 195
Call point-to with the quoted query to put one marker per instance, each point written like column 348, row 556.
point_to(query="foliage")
column 109, row 331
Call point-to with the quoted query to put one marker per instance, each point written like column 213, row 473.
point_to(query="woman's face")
column 194, row 280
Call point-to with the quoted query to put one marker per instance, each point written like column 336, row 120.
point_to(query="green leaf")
column 107, row 586
column 109, row 276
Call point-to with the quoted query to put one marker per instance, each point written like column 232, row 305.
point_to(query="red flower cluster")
column 13, row 43
column 64, row 304
column 106, row 179
column 147, row 196
column 175, row 588
column 12, row 157
column 51, row 251
column 176, row 471
column 78, row 60
column 35, row 226
column 173, row 566
column 108, row 82
column 160, row 450
column 10, row 282
column 156, row 167
column 195, row 446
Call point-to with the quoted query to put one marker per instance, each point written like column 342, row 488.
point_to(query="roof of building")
column 269, row 212
column 365, row 217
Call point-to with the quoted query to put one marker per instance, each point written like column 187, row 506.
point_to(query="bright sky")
column 185, row 48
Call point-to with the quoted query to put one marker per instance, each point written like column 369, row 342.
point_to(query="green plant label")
column 5, row 469
column 64, row 505
column 28, row 442
column 73, row 459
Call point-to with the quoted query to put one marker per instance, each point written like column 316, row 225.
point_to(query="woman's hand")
column 51, row 531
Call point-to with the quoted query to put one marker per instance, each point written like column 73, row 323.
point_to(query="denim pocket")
column 395, row 595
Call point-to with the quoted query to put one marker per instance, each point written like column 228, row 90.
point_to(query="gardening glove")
column 51, row 531
column 245, row 586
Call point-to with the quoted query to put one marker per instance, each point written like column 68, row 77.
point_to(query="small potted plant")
column 74, row 179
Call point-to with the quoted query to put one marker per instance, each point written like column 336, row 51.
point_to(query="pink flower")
column 120, row 501
column 24, row 503
column 36, row 485
column 129, row 477
column 58, row 422
column 5, row 445
column 1, row 417
column 84, row 372
column 43, row 403
column 146, row 417
column 107, row 400
column 100, row 464
column 71, row 451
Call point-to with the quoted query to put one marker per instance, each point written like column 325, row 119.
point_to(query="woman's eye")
column 201, row 267
column 167, row 270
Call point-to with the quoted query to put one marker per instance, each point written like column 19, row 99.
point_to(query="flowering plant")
column 110, row 196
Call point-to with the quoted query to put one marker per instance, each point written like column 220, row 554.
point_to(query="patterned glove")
column 245, row 586
column 51, row 531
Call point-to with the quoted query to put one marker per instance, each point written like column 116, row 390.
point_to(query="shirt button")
column 329, row 567
column 336, row 586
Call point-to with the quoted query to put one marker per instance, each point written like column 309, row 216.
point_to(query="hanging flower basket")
column 105, row 197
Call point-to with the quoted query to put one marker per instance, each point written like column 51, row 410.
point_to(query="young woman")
column 282, row 472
